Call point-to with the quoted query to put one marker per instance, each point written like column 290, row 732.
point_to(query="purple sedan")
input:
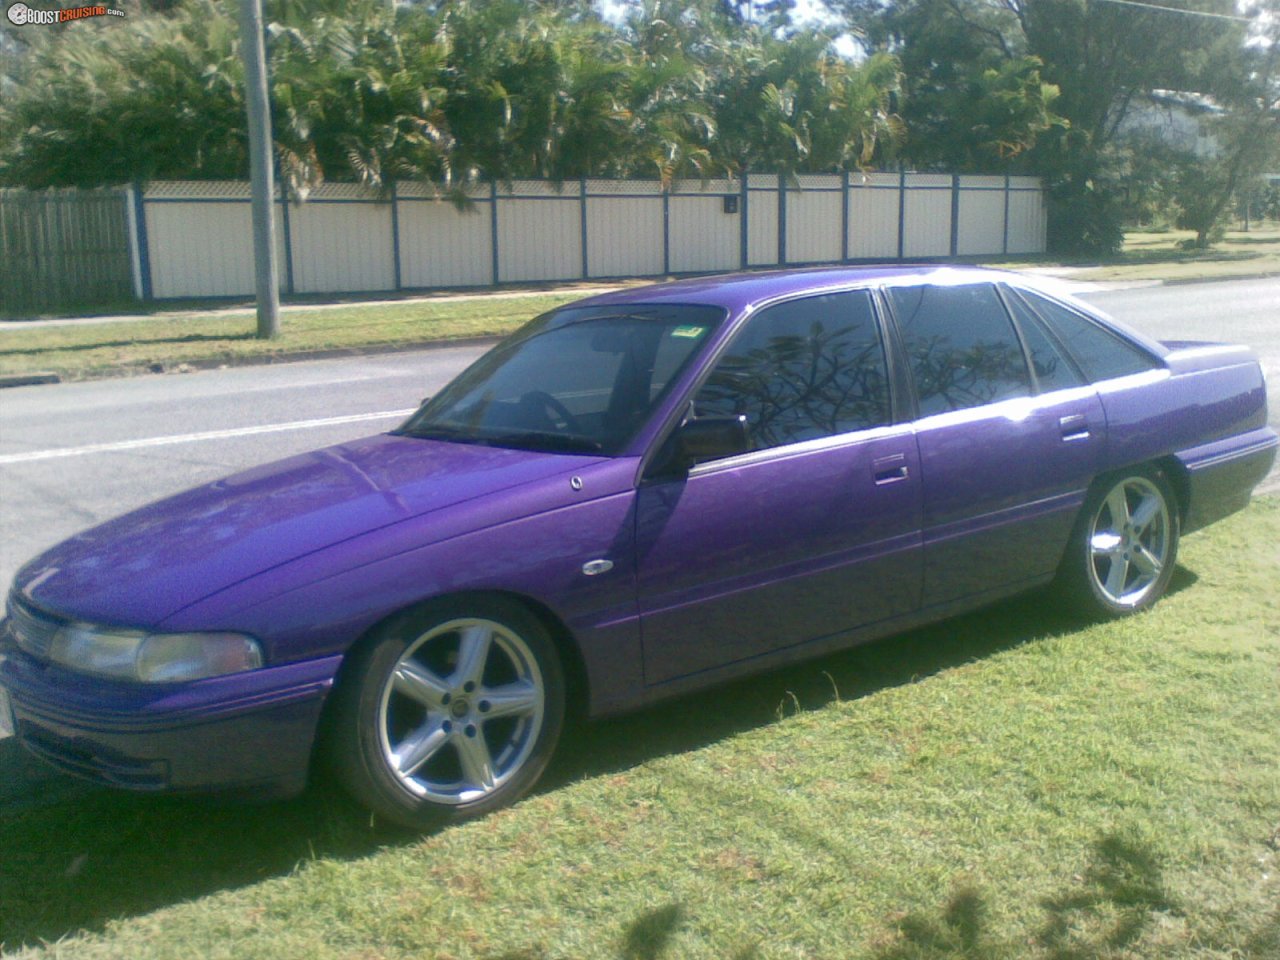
column 634, row 496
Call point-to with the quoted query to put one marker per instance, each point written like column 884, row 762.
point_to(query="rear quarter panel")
column 1208, row 409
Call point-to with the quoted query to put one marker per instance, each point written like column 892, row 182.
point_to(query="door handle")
column 891, row 469
column 1074, row 427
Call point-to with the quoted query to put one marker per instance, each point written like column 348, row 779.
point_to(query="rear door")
column 816, row 530
column 1009, row 436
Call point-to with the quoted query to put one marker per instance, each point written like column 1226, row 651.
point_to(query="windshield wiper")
column 440, row 431
column 545, row 440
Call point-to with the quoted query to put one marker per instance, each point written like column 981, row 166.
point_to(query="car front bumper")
column 250, row 732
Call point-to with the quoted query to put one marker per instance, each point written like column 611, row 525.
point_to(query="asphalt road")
column 73, row 455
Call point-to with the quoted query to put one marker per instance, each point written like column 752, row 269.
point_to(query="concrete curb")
column 298, row 356
column 191, row 366
column 1185, row 281
column 28, row 379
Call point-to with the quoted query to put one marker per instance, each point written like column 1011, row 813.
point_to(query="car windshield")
column 576, row 380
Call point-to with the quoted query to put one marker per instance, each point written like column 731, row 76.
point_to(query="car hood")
column 145, row 566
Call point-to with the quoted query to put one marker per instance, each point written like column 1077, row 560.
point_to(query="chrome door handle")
column 891, row 469
column 1074, row 427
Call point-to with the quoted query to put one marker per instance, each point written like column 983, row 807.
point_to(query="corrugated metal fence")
column 190, row 238
column 348, row 239
column 63, row 248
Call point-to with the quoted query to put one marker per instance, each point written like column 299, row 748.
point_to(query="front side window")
column 1100, row 353
column 580, row 379
column 961, row 345
column 802, row 370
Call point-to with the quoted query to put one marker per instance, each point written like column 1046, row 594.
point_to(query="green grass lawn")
column 1008, row 784
column 1159, row 256
column 92, row 349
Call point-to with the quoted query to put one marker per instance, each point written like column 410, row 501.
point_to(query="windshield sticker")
column 689, row 332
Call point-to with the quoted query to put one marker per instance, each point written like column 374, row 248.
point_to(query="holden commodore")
column 634, row 496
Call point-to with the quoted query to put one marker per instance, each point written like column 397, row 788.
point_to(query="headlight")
column 153, row 657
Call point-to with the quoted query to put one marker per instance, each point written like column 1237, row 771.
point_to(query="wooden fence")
column 63, row 249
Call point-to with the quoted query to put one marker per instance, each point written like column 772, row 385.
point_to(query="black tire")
column 1124, row 547
column 448, row 713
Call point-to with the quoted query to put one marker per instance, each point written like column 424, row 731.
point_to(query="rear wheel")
column 1125, row 545
column 449, row 714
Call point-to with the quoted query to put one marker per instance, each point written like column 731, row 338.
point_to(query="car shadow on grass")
column 73, row 857
column 695, row 720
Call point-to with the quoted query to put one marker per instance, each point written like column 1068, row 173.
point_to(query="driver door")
column 813, row 532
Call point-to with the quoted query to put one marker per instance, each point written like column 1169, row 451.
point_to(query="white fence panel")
column 624, row 236
column 703, row 238
column 926, row 218
column 442, row 246
column 814, row 220
column 214, row 261
column 873, row 216
column 539, row 232
column 981, row 210
column 762, row 220
column 341, row 244
column 1028, row 216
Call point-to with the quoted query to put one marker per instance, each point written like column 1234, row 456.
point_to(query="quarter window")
column 1052, row 368
column 802, row 370
column 1100, row 353
column 961, row 345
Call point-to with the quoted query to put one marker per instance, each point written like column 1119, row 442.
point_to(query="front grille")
column 31, row 629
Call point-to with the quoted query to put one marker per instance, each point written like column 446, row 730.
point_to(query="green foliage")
column 983, row 118
column 161, row 99
column 1045, row 86
column 972, row 102
column 371, row 92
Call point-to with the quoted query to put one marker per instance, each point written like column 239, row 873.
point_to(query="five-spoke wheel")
column 1126, row 543
column 450, row 714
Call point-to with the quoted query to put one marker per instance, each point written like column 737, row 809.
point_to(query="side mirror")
column 710, row 438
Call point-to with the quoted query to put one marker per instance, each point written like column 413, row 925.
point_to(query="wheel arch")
column 577, row 682
column 1180, row 480
column 1168, row 465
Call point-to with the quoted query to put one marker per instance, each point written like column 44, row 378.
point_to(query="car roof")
column 739, row 291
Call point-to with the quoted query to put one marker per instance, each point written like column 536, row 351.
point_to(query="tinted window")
column 577, row 379
column 1052, row 369
column 801, row 370
column 1100, row 353
column 961, row 345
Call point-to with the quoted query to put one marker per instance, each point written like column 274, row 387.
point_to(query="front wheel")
column 1122, row 553
column 449, row 714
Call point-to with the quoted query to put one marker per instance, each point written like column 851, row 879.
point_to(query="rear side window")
column 802, row 370
column 961, row 345
column 1100, row 353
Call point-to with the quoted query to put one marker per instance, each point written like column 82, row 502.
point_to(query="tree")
column 371, row 92
column 1099, row 56
column 161, row 99
column 1249, row 134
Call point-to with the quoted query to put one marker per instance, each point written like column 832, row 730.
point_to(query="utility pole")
column 266, row 271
